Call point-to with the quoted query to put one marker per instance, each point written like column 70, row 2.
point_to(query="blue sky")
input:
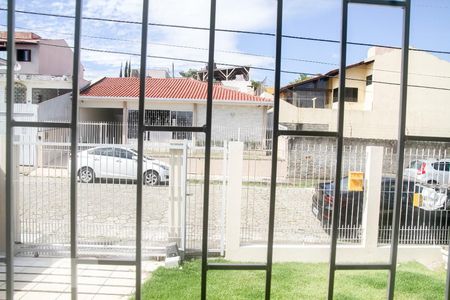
column 430, row 20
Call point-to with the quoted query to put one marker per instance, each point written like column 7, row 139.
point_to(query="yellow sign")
column 355, row 181
column 417, row 199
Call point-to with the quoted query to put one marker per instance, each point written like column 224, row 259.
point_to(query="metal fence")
column 304, row 199
column 305, row 189
column 107, row 205
column 254, row 138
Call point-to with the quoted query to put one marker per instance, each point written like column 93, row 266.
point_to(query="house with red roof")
column 174, row 101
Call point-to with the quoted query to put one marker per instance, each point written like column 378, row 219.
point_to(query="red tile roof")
column 165, row 88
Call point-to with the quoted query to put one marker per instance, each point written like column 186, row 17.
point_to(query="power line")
column 223, row 51
column 227, row 30
column 235, row 65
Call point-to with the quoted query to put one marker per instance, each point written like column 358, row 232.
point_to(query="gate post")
column 2, row 194
column 234, row 196
column 372, row 196
column 177, row 192
column 15, row 217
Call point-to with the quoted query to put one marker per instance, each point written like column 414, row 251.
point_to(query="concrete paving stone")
column 40, row 295
column 29, row 277
column 91, row 280
column 120, row 282
column 125, row 275
column 95, row 273
column 35, row 270
column 60, row 271
column 56, row 279
column 50, row 287
column 19, row 295
column 108, row 297
column 24, row 286
column 88, row 289
column 115, row 290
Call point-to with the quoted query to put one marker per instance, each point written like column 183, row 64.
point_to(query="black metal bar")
column 339, row 149
column 40, row 124
column 362, row 267
column 419, row 138
column 400, row 3
column 275, row 128
column 9, row 209
column 175, row 128
column 73, row 150
column 330, row 134
column 209, row 103
column 93, row 261
column 400, row 149
column 447, row 280
column 140, row 168
column 237, row 267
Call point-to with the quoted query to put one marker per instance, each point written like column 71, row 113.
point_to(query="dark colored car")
column 352, row 204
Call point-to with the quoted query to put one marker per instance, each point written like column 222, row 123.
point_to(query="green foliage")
column 256, row 84
column 191, row 73
column 300, row 78
column 294, row 281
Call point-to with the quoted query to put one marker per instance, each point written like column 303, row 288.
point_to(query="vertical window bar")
column 9, row 151
column 400, row 148
column 275, row 125
column 139, row 183
column 339, row 148
column 447, row 281
column 73, row 150
column 209, row 102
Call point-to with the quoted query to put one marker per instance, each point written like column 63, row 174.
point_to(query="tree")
column 256, row 85
column 301, row 77
column 120, row 71
column 191, row 73
column 129, row 69
column 125, row 73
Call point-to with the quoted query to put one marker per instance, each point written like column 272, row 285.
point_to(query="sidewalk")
column 49, row 278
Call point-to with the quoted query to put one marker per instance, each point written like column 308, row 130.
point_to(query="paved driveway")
column 106, row 213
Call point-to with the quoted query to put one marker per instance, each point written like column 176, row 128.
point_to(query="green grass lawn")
column 294, row 281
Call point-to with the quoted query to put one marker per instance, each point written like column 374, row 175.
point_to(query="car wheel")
column 86, row 175
column 151, row 178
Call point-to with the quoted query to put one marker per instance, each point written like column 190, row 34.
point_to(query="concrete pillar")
column 372, row 196
column 177, row 191
column 2, row 194
column 234, row 196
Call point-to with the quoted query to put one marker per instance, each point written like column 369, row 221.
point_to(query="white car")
column 119, row 163
column 430, row 171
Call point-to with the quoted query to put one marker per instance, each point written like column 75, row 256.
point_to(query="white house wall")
column 228, row 120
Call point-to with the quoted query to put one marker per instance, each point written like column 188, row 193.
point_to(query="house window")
column 161, row 118
column 369, row 80
column 181, row 118
column 20, row 93
column 23, row 55
column 351, row 95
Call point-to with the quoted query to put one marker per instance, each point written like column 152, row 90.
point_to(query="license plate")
column 315, row 211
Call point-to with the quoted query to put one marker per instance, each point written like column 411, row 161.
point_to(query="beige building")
column 372, row 97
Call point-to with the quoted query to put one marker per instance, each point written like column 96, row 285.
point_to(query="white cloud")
column 255, row 15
